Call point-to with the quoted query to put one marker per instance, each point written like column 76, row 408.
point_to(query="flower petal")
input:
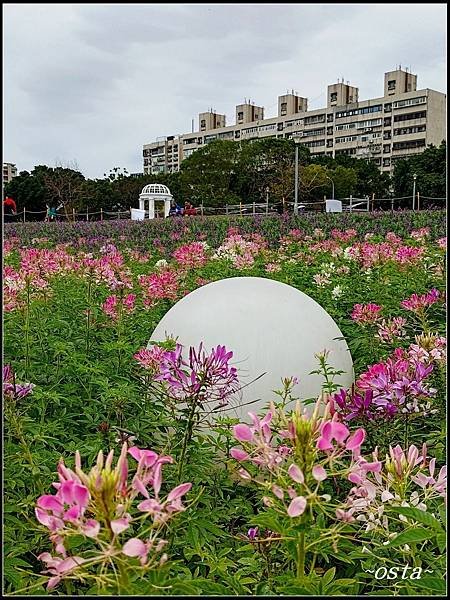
column 297, row 506
column 135, row 547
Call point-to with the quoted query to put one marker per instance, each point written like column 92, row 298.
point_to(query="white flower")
column 161, row 264
column 337, row 292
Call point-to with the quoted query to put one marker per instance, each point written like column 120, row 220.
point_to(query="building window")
column 408, row 145
column 202, row 125
column 283, row 108
column 330, row 118
column 386, row 162
column 409, row 116
column 240, row 116
column 409, row 102
column 391, row 85
column 280, row 127
column 386, row 148
column 333, row 97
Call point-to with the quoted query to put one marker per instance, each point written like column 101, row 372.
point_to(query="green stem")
column 27, row 331
column 88, row 322
column 187, row 436
column 301, row 556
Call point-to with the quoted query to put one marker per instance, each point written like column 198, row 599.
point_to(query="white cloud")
column 95, row 82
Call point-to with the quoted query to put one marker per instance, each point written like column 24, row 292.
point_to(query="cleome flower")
column 101, row 507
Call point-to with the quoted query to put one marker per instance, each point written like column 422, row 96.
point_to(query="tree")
column 64, row 186
column 312, row 182
column 430, row 170
column 345, row 180
column 28, row 191
column 267, row 165
column 207, row 175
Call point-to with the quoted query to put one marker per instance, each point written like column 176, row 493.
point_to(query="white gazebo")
column 152, row 193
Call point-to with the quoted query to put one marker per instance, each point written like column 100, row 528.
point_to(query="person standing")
column 9, row 210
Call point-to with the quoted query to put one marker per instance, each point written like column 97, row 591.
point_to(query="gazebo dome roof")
column 156, row 189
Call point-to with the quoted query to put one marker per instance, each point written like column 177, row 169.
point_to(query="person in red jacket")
column 9, row 209
column 189, row 210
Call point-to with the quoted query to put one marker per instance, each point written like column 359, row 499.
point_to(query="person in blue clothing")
column 175, row 209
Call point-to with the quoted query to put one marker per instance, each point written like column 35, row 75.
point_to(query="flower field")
column 113, row 488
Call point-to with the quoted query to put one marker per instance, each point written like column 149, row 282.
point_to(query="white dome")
column 156, row 189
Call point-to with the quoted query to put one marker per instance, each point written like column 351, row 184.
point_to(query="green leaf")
column 411, row 536
column 419, row 515
column 328, row 576
column 435, row 584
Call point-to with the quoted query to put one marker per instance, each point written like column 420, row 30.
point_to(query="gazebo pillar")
column 151, row 208
column 166, row 207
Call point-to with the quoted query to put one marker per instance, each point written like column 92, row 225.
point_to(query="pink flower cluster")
column 428, row 349
column 366, row 313
column 420, row 234
column 391, row 330
column 159, row 286
column 109, row 269
column 391, row 484
column 150, row 359
column 263, row 449
column 240, row 251
column 99, row 507
column 418, row 303
column 191, row 255
column 111, row 306
column 343, row 236
column 203, row 377
column 398, row 380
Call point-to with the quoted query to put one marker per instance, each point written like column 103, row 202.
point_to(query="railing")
column 350, row 204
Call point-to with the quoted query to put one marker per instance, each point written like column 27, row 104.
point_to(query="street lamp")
column 414, row 192
column 332, row 183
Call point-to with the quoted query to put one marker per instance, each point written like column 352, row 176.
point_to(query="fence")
column 350, row 204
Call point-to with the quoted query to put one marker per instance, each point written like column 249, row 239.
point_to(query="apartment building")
column 402, row 122
column 9, row 171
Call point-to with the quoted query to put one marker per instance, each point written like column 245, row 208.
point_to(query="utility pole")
column 414, row 192
column 296, row 180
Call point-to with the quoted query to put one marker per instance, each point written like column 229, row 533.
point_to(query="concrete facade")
column 399, row 124
column 9, row 171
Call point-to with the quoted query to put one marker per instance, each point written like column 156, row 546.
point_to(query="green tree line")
column 225, row 172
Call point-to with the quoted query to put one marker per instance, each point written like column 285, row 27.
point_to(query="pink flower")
column 297, row 506
column 366, row 313
column 239, row 454
column 191, row 255
column 296, row 473
column 136, row 548
column 150, row 359
column 119, row 525
column 333, row 430
column 418, row 303
column 319, row 473
column 242, row 433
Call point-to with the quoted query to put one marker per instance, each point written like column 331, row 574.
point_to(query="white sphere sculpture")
column 273, row 329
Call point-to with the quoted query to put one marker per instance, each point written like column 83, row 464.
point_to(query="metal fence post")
column 373, row 201
column 226, row 209
column 368, row 204
column 87, row 214
column 101, row 214
column 392, row 204
column 253, row 208
column 201, row 209
column 24, row 215
column 351, row 203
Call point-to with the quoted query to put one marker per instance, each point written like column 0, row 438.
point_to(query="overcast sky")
column 93, row 83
